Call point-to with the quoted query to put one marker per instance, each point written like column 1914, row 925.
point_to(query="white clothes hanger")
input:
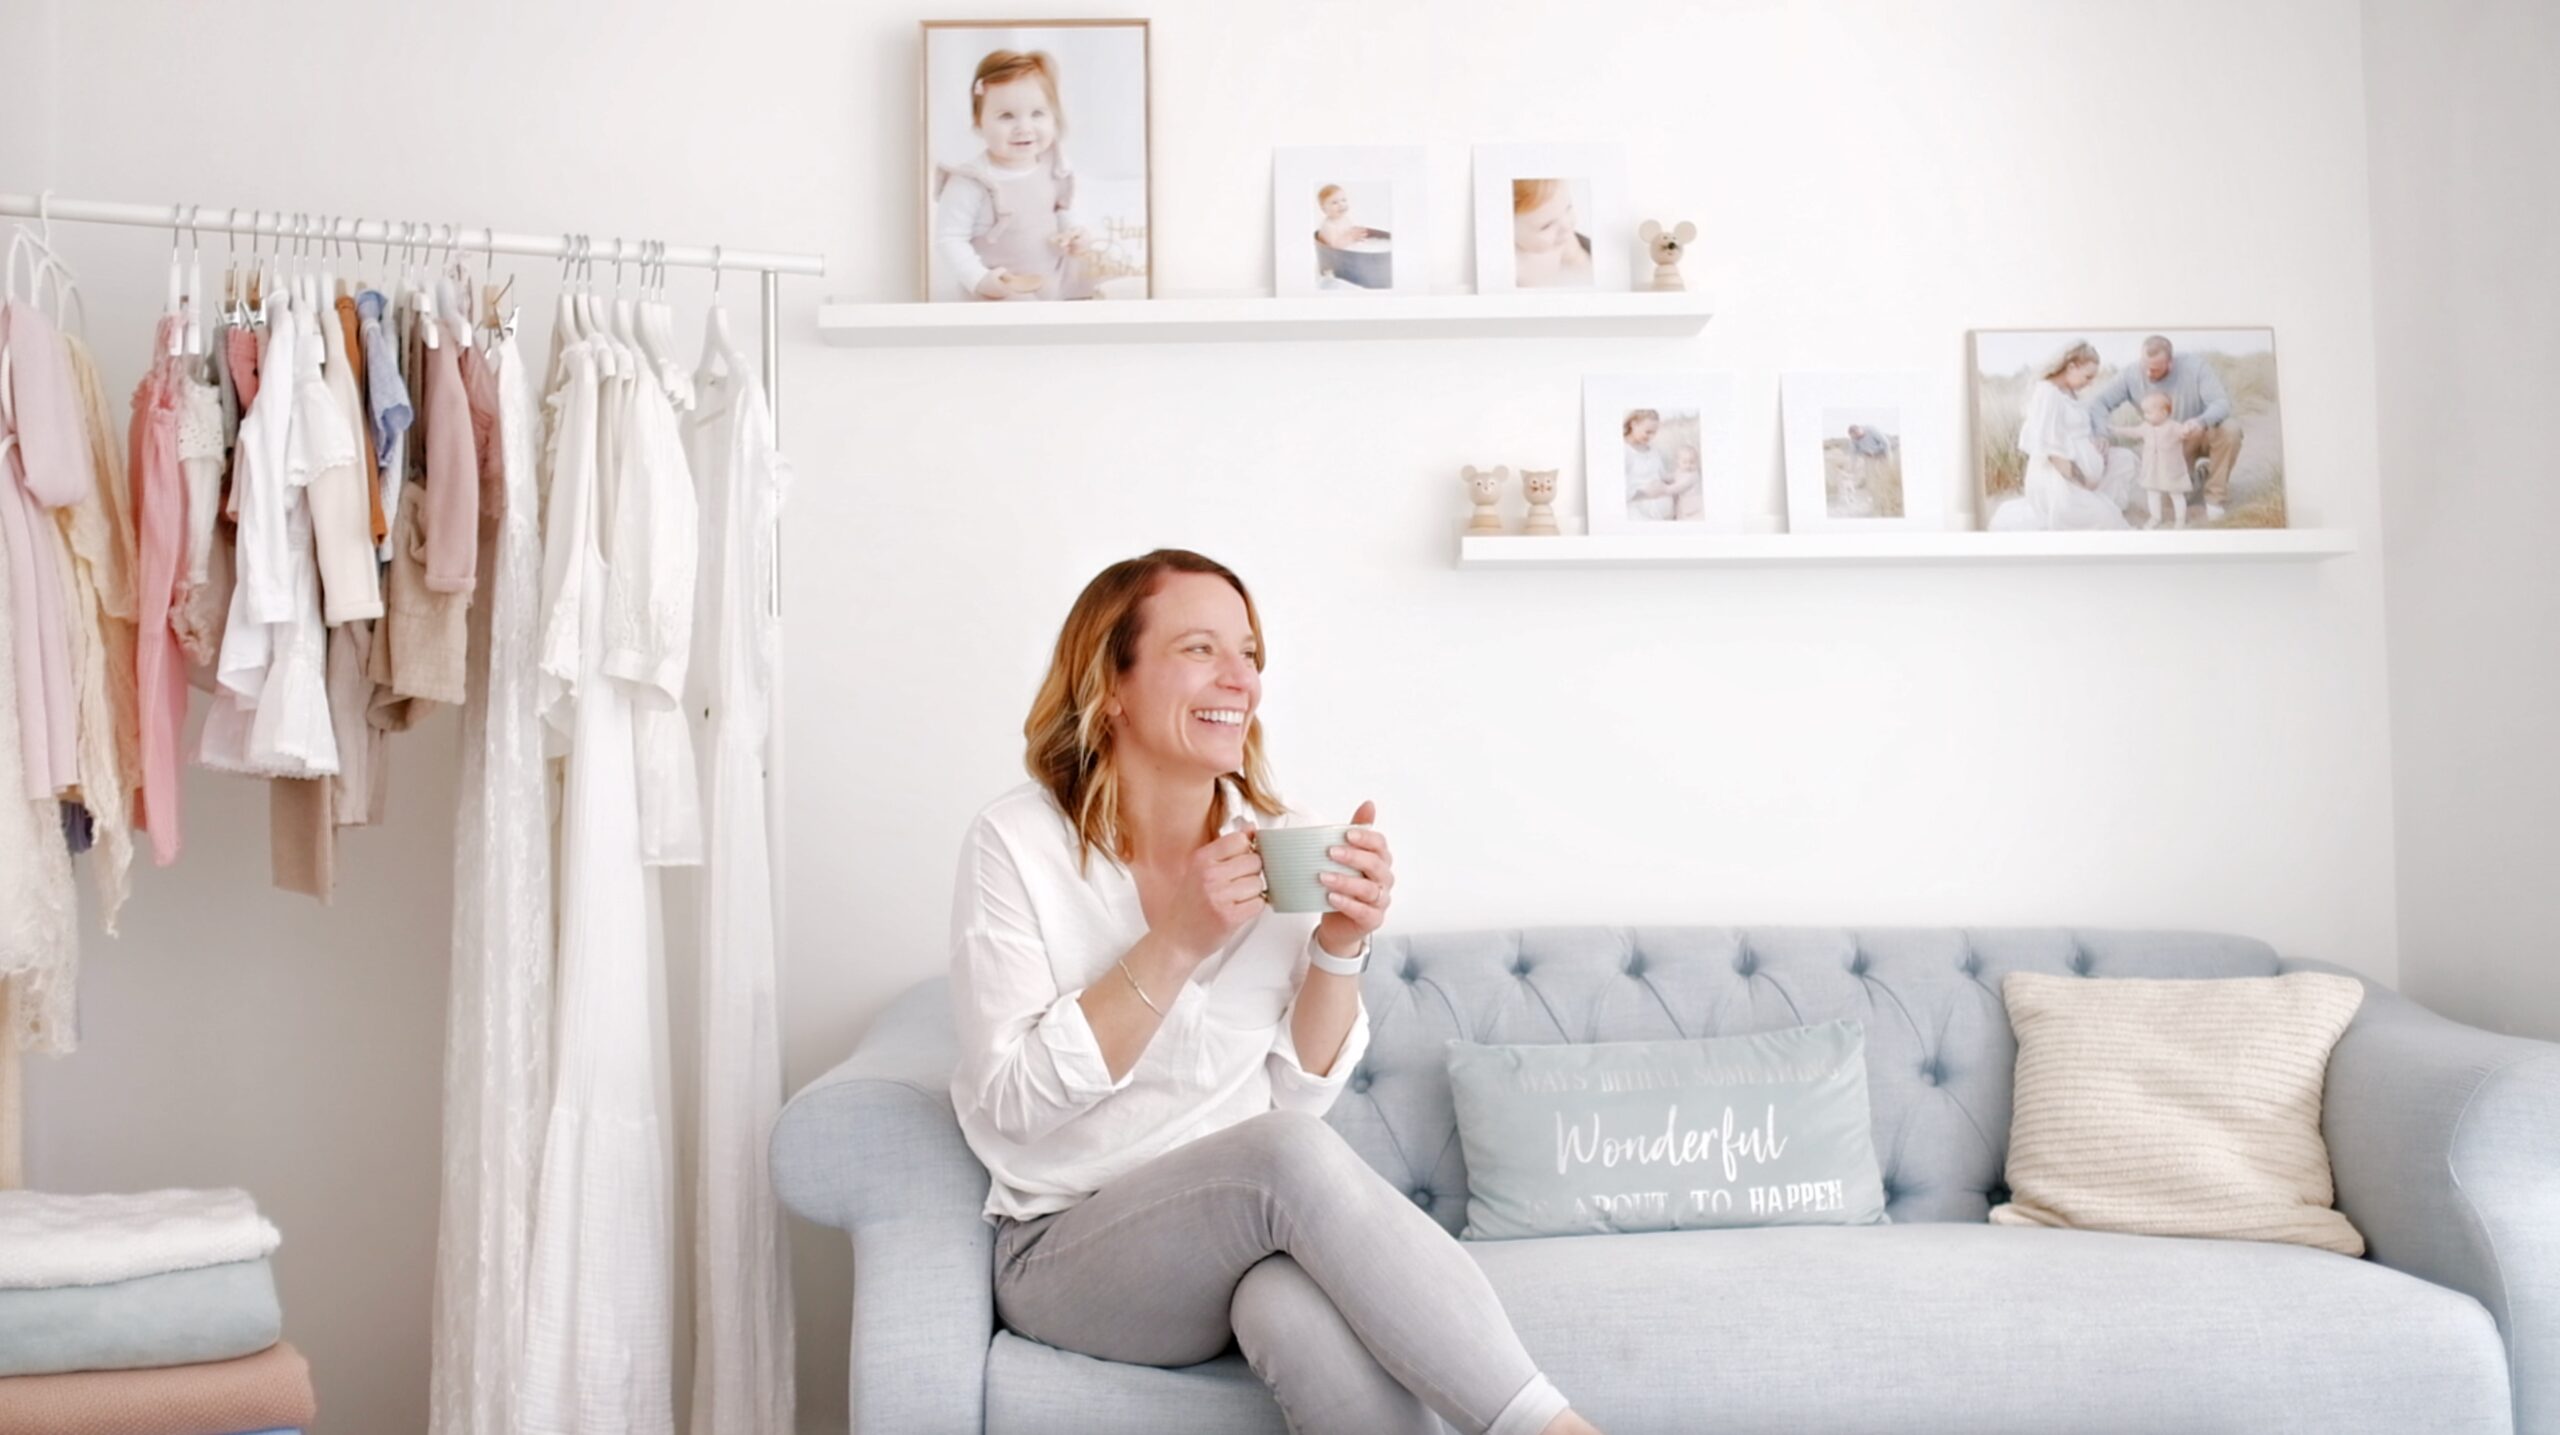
column 721, row 350
column 426, row 292
column 195, row 341
column 44, row 266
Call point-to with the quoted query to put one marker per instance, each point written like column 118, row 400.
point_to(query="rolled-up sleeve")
column 1293, row 1088
column 1029, row 1061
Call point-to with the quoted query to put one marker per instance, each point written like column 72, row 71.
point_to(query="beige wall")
column 2465, row 141
column 2179, row 745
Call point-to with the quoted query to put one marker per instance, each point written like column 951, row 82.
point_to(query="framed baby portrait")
column 1658, row 454
column 1865, row 453
column 2170, row 429
column 1349, row 220
column 1551, row 217
column 1035, row 164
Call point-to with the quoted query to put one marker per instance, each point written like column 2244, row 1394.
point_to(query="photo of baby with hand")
column 1549, row 251
column 1004, row 222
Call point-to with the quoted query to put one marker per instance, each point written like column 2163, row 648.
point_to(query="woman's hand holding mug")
column 1359, row 903
column 1220, row 891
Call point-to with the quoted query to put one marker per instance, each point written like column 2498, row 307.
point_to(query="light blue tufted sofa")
column 2445, row 1141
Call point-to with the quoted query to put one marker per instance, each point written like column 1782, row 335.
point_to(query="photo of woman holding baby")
column 1018, row 205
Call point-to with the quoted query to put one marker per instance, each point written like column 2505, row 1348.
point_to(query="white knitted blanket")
column 49, row 1240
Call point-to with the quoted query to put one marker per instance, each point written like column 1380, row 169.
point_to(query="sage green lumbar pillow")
column 1768, row 1129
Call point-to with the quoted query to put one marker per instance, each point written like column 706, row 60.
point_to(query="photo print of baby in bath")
column 1551, row 217
column 1349, row 220
column 1035, row 162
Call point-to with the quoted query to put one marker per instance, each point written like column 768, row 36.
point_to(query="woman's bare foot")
column 1570, row 1424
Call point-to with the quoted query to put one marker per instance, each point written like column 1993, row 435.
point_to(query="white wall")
column 2202, row 746
column 2465, row 139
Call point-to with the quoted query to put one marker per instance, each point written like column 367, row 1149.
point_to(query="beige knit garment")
column 2176, row 1107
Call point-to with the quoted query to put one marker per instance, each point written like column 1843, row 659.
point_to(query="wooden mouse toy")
column 1667, row 247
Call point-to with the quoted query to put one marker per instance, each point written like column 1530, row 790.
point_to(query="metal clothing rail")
column 311, row 225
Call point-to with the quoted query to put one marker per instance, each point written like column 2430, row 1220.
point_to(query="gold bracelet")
column 1141, row 991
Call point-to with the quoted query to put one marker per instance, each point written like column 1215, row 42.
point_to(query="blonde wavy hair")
column 1067, row 739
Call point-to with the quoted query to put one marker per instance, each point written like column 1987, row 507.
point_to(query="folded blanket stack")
column 150, row 1313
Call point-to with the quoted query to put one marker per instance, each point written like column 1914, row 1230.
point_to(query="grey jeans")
column 1358, row 1310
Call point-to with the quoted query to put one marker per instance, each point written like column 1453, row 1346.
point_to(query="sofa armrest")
column 873, row 1148
column 2444, row 1142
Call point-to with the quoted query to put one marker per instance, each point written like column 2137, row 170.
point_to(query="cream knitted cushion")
column 2176, row 1107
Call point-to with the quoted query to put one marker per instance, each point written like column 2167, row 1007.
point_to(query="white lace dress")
column 39, row 913
column 497, row 1069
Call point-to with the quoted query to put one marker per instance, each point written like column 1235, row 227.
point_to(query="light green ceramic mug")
column 1291, row 858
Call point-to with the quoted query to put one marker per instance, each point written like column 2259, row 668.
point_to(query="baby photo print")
column 1551, row 217
column 1349, row 220
column 1035, row 160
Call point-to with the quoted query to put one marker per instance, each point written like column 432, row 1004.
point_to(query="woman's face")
column 1017, row 121
column 1195, row 656
column 2077, row 374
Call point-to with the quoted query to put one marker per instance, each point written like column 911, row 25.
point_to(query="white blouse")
column 1036, row 1101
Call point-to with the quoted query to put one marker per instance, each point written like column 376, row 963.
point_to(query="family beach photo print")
column 2128, row 429
column 1349, row 220
column 1035, row 160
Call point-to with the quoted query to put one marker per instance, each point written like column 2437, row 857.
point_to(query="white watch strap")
column 1350, row 966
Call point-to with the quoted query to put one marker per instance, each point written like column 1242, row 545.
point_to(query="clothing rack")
column 310, row 226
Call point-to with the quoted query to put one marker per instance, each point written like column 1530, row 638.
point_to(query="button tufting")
column 1745, row 963
column 1407, row 974
column 1520, row 968
column 1972, row 965
column 1933, row 1073
column 1635, row 964
column 1858, row 964
column 1421, row 1197
column 1359, row 1081
column 2081, row 963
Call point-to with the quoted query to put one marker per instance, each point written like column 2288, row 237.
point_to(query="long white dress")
column 497, row 1071
column 2057, row 427
column 600, row 1301
column 742, row 1368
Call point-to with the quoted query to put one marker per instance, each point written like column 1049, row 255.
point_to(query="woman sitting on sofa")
column 1147, row 1049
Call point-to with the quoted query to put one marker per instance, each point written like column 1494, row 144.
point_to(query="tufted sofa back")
column 1939, row 1049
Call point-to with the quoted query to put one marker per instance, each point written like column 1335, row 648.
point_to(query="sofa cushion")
column 1957, row 1327
column 1606, row 1137
column 1903, row 1330
column 2176, row 1108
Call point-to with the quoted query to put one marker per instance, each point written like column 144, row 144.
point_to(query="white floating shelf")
column 1711, row 550
column 1227, row 320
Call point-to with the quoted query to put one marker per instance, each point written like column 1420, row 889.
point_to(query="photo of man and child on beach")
column 2128, row 429
column 1019, row 203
